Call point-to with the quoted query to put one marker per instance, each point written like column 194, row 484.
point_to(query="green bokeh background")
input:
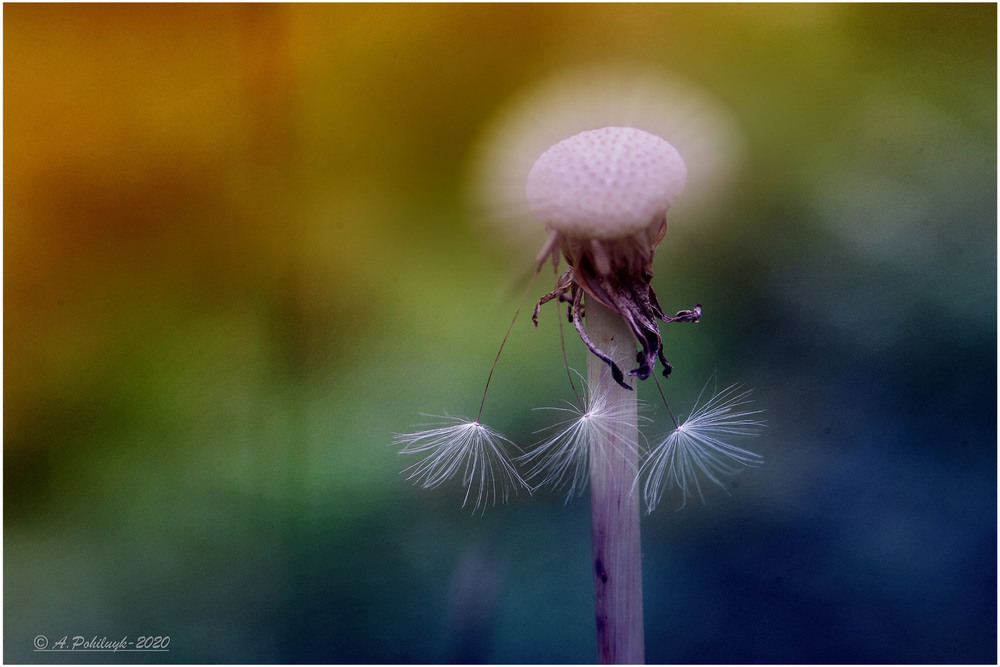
column 239, row 255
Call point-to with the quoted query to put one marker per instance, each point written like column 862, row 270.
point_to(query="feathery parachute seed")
column 468, row 448
column 697, row 447
column 562, row 459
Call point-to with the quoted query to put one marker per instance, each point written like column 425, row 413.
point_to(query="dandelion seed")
column 465, row 448
column 698, row 447
column 562, row 460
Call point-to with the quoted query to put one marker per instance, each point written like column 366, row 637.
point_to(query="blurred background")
column 240, row 252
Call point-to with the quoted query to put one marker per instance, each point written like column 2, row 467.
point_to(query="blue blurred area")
column 241, row 260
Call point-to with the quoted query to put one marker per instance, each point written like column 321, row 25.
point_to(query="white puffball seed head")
column 606, row 184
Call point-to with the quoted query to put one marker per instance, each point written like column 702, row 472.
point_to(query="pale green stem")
column 614, row 505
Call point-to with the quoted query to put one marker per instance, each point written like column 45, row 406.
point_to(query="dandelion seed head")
column 468, row 449
column 607, row 183
column 602, row 94
column 603, row 195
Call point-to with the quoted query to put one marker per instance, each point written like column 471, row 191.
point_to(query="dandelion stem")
column 614, row 507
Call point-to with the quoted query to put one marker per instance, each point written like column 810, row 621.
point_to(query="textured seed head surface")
column 607, row 183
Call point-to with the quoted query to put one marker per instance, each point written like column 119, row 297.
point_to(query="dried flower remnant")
column 603, row 195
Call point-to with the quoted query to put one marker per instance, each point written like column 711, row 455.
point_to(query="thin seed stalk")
column 614, row 505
